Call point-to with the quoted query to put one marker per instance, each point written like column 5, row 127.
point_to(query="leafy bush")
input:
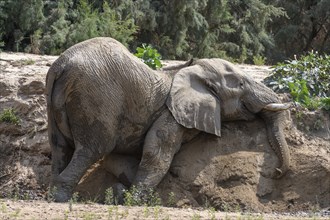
column 8, row 115
column 325, row 103
column 259, row 60
column 307, row 79
column 110, row 198
column 149, row 56
column 137, row 196
column 1, row 45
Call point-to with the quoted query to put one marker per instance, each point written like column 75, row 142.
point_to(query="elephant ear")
column 192, row 101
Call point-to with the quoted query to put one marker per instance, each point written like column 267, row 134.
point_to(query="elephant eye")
column 241, row 84
column 212, row 88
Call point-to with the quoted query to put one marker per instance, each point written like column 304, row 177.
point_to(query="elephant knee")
column 150, row 158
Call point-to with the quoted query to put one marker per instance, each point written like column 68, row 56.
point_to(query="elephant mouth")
column 242, row 113
column 248, row 115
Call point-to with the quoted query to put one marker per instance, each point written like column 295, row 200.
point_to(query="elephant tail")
column 58, row 134
column 54, row 72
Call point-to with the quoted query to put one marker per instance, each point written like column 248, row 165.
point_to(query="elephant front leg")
column 162, row 141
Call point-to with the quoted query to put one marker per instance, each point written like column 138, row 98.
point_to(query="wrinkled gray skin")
column 101, row 99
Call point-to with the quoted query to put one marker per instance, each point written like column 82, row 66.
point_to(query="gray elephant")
column 101, row 99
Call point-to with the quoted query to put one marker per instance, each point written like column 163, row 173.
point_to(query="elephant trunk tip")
column 280, row 172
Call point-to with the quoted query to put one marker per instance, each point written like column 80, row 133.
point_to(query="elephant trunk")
column 274, row 123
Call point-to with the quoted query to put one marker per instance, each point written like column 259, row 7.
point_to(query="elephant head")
column 214, row 90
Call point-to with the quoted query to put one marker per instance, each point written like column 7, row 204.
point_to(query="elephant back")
column 105, row 73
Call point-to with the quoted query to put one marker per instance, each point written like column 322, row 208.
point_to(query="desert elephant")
column 102, row 99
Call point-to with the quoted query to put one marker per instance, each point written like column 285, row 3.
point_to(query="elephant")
column 103, row 100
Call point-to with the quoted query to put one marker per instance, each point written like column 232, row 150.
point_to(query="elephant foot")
column 62, row 197
column 118, row 192
column 59, row 192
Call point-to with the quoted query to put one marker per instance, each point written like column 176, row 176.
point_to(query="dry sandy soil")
column 225, row 173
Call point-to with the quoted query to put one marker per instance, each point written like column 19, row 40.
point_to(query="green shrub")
column 259, row 60
column 300, row 93
column 51, row 194
column 149, row 56
column 325, row 103
column 28, row 62
column 307, row 79
column 2, row 44
column 137, row 196
column 133, row 197
column 8, row 115
column 110, row 198
column 171, row 199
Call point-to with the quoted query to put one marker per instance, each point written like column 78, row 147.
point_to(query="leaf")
column 149, row 56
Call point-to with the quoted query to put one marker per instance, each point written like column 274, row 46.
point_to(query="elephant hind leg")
column 91, row 143
column 62, row 152
column 67, row 180
column 162, row 141
column 62, row 147
column 60, row 137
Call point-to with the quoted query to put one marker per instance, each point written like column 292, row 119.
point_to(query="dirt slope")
column 226, row 173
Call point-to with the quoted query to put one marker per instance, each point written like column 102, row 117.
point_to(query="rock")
column 5, row 89
column 32, row 88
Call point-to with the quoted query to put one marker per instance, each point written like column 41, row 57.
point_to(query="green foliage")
column 250, row 22
column 137, row 196
column 41, row 26
column 207, row 28
column 26, row 196
column 196, row 216
column 149, row 56
column 300, row 93
column 259, row 60
column 132, row 197
column 75, row 197
column 28, row 62
column 19, row 19
column 306, row 27
column 1, row 45
column 241, row 31
column 109, row 198
column 9, row 116
column 90, row 22
column 307, row 79
column 171, row 199
column 51, row 194
column 73, row 200
column 325, row 103
column 212, row 213
column 85, row 25
column 111, row 24
column 56, row 28
column 146, row 212
column 153, row 198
